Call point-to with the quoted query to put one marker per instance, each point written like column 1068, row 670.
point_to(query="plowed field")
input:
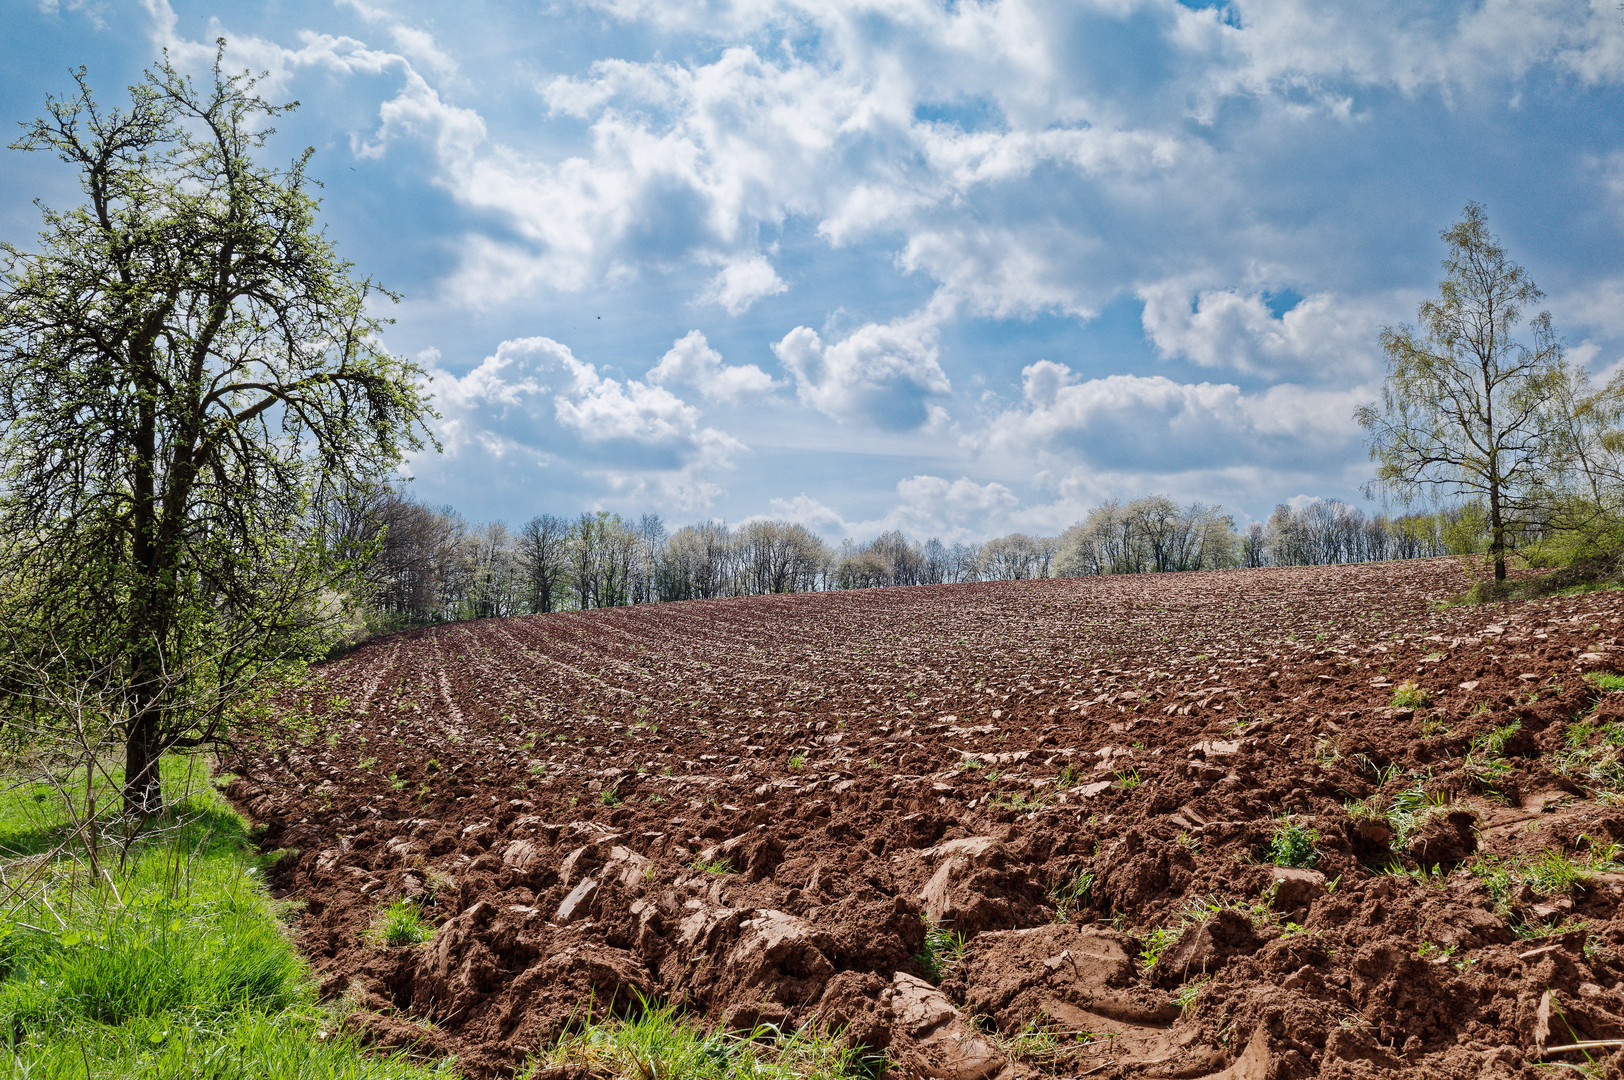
column 760, row 807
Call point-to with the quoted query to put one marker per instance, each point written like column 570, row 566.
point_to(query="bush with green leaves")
column 1293, row 845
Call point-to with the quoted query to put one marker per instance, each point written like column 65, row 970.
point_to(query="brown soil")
column 753, row 806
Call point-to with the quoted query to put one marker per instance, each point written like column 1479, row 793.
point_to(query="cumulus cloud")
column 1231, row 328
column 886, row 374
column 1008, row 159
column 692, row 362
column 922, row 506
column 1153, row 423
column 533, row 403
column 742, row 282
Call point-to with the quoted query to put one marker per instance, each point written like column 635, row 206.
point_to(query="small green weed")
column 942, row 949
column 1293, row 845
column 401, row 923
column 1072, row 896
column 1409, row 695
column 1185, row 997
column 713, row 866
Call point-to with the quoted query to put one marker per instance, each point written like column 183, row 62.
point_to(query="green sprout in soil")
column 1409, row 695
column 1072, row 896
column 942, row 949
column 1185, row 997
column 713, row 866
column 401, row 923
column 1293, row 845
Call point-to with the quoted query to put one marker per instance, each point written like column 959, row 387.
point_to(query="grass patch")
column 402, row 923
column 1553, row 872
column 1606, row 681
column 1409, row 695
column 942, row 949
column 168, row 963
column 659, row 1043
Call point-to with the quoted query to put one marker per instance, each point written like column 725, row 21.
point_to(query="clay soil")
column 758, row 807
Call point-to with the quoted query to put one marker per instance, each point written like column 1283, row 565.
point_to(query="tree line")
column 424, row 564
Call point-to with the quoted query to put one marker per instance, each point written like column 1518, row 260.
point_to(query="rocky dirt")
column 760, row 808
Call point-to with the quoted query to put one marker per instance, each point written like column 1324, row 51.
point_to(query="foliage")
column 169, row 964
column 1467, row 410
column 190, row 374
column 1293, row 845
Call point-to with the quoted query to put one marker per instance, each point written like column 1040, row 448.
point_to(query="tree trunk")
column 143, row 786
column 1497, row 533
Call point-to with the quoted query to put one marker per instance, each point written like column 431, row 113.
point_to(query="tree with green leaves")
column 1468, row 409
column 188, row 371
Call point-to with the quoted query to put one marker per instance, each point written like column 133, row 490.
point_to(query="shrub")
column 1293, row 845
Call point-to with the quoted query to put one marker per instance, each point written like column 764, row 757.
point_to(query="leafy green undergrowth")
column 164, row 960
column 659, row 1042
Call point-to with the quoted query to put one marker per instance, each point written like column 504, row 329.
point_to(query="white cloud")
column 1597, row 306
column 923, row 506
column 742, row 282
column 950, row 509
column 532, row 402
column 1156, row 424
column 692, row 362
column 1319, row 336
column 886, row 374
column 808, row 511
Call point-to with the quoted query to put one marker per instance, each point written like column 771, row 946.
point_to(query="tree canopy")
column 1468, row 409
column 187, row 372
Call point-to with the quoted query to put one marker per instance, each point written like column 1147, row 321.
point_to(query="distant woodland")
column 426, row 564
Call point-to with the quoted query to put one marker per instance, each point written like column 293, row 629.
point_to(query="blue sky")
column 958, row 268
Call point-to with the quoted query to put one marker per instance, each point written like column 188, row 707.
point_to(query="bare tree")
column 544, row 557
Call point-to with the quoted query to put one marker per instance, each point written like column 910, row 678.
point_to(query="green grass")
column 1072, row 896
column 402, row 923
column 942, row 949
column 659, row 1043
column 1605, row 681
column 170, row 963
column 1408, row 695
column 1128, row 778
